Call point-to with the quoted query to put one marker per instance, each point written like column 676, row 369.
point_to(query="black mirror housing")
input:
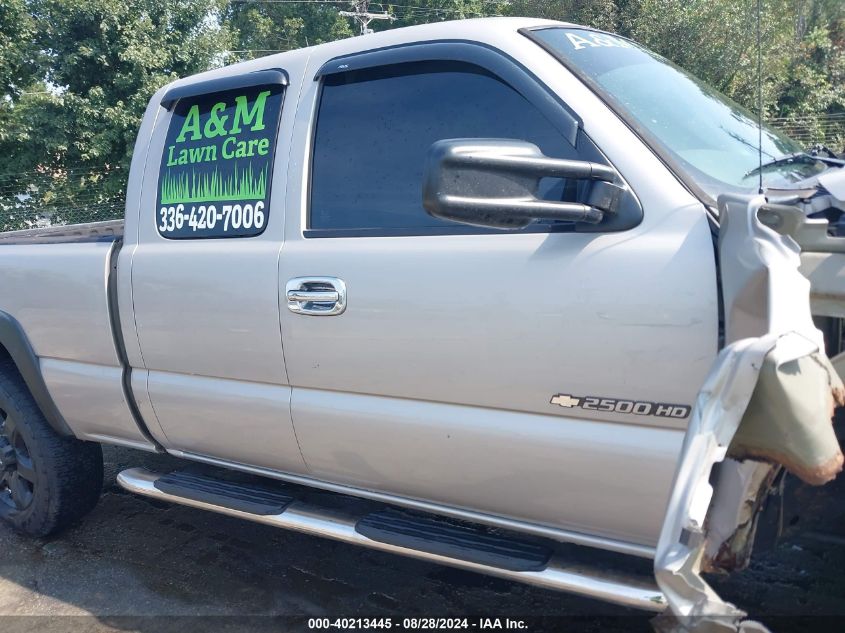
column 494, row 182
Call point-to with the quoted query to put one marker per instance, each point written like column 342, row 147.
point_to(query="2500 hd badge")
column 637, row 407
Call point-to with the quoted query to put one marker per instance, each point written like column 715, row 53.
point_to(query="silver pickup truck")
column 504, row 290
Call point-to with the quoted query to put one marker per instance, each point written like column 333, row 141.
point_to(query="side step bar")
column 470, row 547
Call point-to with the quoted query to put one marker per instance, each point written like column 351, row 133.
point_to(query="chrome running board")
column 556, row 573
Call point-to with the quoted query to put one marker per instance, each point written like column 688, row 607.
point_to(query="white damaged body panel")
column 766, row 404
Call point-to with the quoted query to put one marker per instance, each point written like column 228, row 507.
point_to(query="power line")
column 362, row 15
column 360, row 12
column 411, row 7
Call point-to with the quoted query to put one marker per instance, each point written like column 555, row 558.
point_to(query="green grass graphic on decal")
column 239, row 185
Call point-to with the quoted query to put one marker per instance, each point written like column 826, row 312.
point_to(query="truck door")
column 514, row 373
column 204, row 272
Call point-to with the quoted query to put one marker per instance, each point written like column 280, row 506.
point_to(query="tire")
column 47, row 481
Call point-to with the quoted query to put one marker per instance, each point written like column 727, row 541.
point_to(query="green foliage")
column 107, row 57
column 67, row 140
column 815, row 82
column 411, row 12
column 265, row 28
column 803, row 46
column 599, row 14
column 18, row 52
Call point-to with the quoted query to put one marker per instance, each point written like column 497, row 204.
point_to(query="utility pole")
column 362, row 15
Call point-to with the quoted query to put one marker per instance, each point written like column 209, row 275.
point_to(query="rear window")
column 217, row 165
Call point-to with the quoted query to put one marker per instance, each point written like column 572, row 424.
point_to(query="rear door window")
column 217, row 164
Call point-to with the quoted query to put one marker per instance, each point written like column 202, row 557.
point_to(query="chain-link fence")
column 61, row 196
column 825, row 129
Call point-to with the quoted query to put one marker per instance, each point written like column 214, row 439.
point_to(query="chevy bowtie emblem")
column 565, row 400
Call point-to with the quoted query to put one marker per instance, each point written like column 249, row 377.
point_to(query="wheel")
column 46, row 481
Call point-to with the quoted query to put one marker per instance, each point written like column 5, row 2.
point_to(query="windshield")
column 711, row 138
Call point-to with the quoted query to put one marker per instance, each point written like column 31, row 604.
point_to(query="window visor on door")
column 497, row 62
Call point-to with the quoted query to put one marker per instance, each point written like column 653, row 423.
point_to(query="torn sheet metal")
column 741, row 490
column 787, row 392
column 772, row 375
column 804, row 211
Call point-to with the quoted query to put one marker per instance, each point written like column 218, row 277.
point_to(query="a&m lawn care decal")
column 217, row 164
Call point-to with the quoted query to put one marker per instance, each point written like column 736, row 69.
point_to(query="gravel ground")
column 136, row 564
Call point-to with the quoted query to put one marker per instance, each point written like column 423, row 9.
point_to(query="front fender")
column 766, row 404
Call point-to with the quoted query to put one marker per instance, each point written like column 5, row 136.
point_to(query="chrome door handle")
column 317, row 296
column 313, row 296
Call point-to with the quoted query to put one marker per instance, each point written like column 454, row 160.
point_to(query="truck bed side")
column 55, row 286
column 108, row 231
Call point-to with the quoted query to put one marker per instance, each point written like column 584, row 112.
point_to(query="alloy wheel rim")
column 17, row 472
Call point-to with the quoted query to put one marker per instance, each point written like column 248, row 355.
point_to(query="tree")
column 803, row 50
column 265, row 28
column 803, row 53
column 814, row 84
column 68, row 144
column 18, row 52
column 599, row 14
column 409, row 13
column 268, row 27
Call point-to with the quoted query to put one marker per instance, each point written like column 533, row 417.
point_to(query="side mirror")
column 493, row 183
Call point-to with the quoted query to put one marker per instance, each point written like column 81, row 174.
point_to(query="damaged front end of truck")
column 767, row 404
